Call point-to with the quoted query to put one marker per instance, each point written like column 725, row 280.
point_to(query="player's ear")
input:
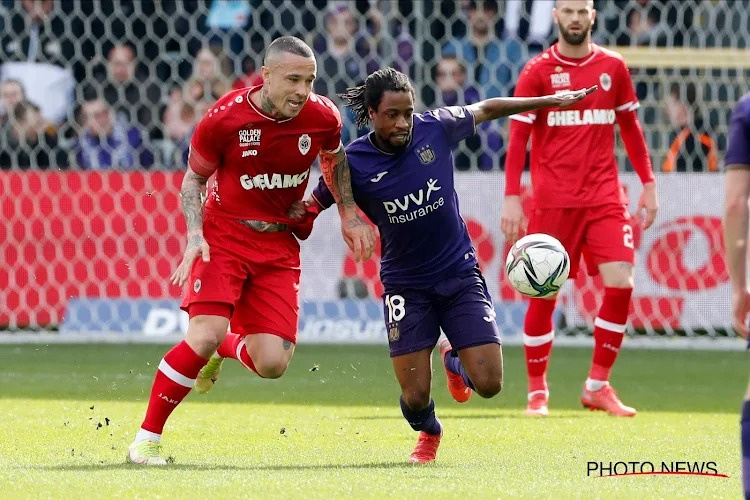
column 265, row 72
column 371, row 114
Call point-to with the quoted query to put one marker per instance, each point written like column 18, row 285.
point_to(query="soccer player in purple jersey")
column 402, row 179
column 736, row 216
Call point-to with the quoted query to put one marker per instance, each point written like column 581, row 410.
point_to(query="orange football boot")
column 537, row 405
column 426, row 448
column 456, row 386
column 606, row 399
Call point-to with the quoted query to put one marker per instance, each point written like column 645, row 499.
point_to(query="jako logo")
column 249, row 152
column 168, row 399
column 273, row 181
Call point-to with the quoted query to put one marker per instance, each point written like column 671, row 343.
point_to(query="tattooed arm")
column 338, row 178
column 193, row 187
column 337, row 175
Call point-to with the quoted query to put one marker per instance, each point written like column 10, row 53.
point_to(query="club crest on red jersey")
column 426, row 154
column 606, row 81
column 304, row 144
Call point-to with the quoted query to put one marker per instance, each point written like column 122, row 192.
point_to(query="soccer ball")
column 537, row 265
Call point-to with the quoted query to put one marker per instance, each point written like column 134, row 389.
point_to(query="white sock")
column 144, row 435
column 533, row 393
column 595, row 385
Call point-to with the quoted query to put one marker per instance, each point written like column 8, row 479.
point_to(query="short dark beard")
column 573, row 39
column 386, row 146
column 266, row 104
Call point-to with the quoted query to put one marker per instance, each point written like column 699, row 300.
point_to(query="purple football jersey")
column 411, row 198
column 738, row 148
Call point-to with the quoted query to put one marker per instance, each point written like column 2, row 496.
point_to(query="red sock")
column 174, row 379
column 234, row 347
column 537, row 342
column 609, row 331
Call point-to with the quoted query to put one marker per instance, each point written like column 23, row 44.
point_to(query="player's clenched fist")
column 196, row 246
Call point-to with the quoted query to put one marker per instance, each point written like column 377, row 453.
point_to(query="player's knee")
column 488, row 386
column 207, row 333
column 271, row 367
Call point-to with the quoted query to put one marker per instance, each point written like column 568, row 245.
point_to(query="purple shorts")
column 460, row 305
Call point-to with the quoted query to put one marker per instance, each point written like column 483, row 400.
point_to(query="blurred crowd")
column 99, row 84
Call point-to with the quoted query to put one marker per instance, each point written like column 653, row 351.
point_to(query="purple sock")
column 745, row 440
column 422, row 420
column 453, row 364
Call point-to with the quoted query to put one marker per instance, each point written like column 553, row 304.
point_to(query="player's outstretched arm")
column 193, row 186
column 357, row 234
column 736, row 215
column 491, row 109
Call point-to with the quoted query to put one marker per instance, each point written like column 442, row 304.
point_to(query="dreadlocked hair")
column 360, row 99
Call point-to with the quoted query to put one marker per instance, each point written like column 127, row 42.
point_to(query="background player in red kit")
column 259, row 144
column 577, row 193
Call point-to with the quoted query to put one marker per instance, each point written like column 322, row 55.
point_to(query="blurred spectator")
column 36, row 50
column 693, row 149
column 128, row 91
column 346, row 55
column 208, row 81
column 106, row 143
column 188, row 103
column 250, row 76
column 11, row 93
column 404, row 56
column 453, row 89
column 493, row 62
column 646, row 26
column 227, row 24
column 180, row 119
column 537, row 29
column 29, row 141
column 451, row 82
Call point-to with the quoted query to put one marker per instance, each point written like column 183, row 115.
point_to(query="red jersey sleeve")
column 528, row 85
column 631, row 132
column 204, row 155
column 333, row 141
column 625, row 99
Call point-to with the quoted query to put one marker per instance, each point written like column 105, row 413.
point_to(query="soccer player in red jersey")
column 258, row 144
column 577, row 193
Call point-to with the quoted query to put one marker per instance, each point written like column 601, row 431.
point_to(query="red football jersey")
column 573, row 149
column 261, row 163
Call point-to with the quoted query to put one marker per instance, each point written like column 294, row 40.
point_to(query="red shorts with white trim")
column 600, row 234
column 256, row 273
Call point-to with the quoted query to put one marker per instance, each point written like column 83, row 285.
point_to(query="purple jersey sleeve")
column 457, row 121
column 738, row 148
column 323, row 195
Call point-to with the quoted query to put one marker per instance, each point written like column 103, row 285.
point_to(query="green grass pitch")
column 332, row 428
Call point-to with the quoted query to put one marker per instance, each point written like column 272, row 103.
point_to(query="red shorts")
column 256, row 273
column 601, row 234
